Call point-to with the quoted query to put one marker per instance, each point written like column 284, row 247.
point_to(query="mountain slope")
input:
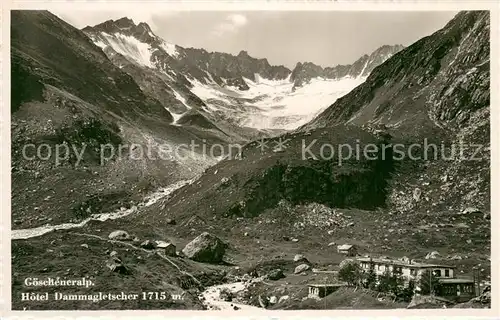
column 442, row 78
column 388, row 109
column 67, row 94
column 437, row 89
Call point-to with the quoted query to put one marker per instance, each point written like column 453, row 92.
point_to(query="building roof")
column 345, row 247
column 404, row 264
column 327, row 285
column 456, row 280
column 163, row 244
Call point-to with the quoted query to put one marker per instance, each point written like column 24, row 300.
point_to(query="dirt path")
column 148, row 200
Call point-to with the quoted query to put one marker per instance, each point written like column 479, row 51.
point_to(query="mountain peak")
column 243, row 54
column 124, row 22
column 145, row 26
column 125, row 26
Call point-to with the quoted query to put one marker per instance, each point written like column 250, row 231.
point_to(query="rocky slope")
column 436, row 90
column 304, row 72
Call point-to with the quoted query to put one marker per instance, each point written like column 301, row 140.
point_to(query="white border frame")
column 256, row 5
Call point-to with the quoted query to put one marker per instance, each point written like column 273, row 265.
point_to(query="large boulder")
column 148, row 244
column 119, row 235
column 115, row 264
column 205, row 248
column 275, row 274
column 299, row 258
column 301, row 268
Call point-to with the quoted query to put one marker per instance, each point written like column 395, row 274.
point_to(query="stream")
column 148, row 201
column 212, row 301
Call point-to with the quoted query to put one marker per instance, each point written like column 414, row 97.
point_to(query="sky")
column 326, row 38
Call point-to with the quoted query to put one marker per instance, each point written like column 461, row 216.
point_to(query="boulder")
column 115, row 265
column 470, row 210
column 299, row 258
column 205, row 248
column 275, row 274
column 170, row 221
column 416, row 194
column 273, row 300
column 263, row 302
column 226, row 295
column 301, row 268
column 283, row 298
column 148, row 244
column 119, row 235
column 433, row 255
column 425, row 302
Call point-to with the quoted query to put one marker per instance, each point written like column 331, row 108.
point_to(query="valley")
column 256, row 229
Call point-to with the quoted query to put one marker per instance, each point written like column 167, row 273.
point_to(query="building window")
column 447, row 272
column 437, row 273
column 413, row 272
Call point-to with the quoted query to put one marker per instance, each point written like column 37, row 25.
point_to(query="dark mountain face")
column 303, row 72
column 126, row 26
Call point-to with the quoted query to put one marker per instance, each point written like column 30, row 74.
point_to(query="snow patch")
column 170, row 49
column 273, row 104
column 130, row 47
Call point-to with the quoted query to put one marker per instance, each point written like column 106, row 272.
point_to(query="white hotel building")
column 406, row 268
